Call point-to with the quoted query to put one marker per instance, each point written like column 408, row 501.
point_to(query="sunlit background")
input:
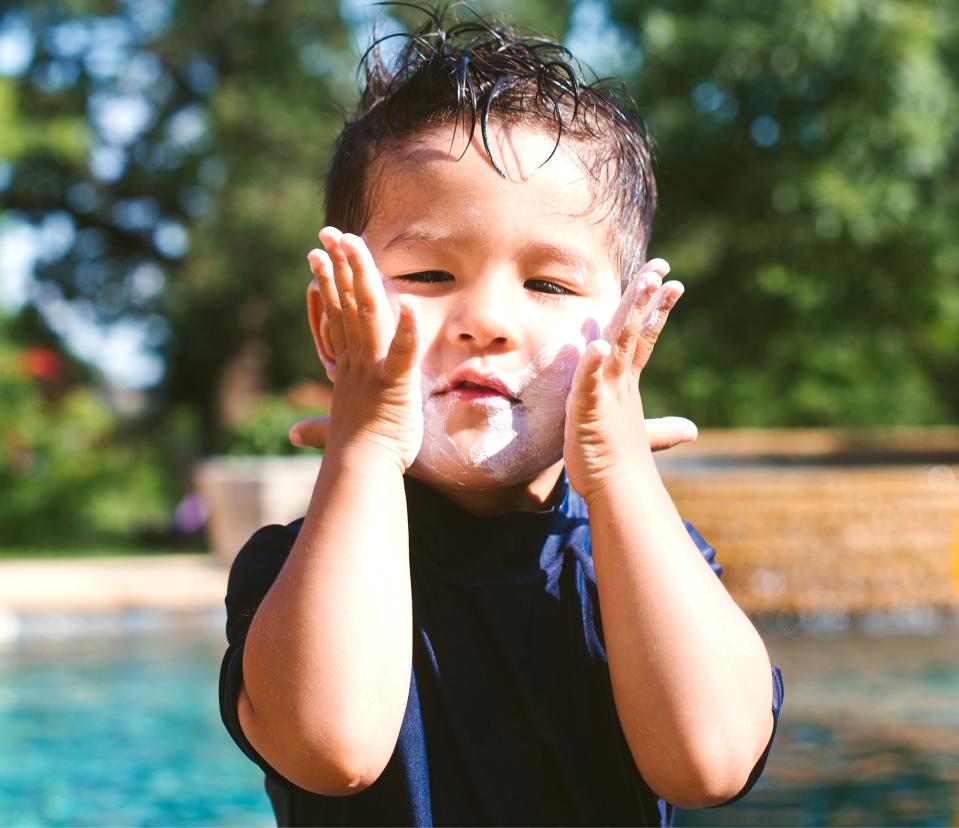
column 161, row 170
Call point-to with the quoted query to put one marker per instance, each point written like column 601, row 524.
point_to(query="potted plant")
column 262, row 478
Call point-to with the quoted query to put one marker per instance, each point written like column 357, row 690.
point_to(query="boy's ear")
column 320, row 328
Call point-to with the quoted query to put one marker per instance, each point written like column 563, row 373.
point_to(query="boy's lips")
column 470, row 384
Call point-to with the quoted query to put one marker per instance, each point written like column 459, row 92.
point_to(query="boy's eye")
column 427, row 276
column 544, row 286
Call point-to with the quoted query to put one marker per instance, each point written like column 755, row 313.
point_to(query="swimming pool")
column 869, row 733
column 123, row 729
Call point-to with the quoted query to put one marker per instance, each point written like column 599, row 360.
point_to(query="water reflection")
column 869, row 733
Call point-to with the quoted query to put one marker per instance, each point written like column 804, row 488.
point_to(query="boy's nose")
column 482, row 339
column 485, row 318
column 482, row 328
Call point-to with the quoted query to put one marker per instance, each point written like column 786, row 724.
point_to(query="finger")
column 404, row 349
column 374, row 317
column 634, row 303
column 310, row 433
column 666, row 432
column 653, row 321
column 588, row 379
column 658, row 266
column 617, row 323
column 322, row 269
column 343, row 279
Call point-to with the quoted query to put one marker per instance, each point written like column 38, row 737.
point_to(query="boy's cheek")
column 393, row 297
column 553, row 371
column 592, row 329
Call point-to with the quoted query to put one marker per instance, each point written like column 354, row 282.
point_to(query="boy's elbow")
column 704, row 788
column 710, row 776
column 324, row 766
column 338, row 775
column 332, row 770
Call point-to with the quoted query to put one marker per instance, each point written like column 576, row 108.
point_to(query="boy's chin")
column 493, row 473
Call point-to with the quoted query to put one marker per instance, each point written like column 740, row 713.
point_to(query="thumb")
column 666, row 432
column 311, row 433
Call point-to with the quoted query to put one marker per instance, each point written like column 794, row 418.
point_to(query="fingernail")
column 669, row 298
column 295, row 438
column 648, row 291
column 690, row 432
column 353, row 242
column 646, row 281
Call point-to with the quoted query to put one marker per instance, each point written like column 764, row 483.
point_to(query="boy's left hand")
column 605, row 439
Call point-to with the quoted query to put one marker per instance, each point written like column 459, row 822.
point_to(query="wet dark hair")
column 463, row 72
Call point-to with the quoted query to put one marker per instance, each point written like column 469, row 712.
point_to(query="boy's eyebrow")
column 408, row 237
column 561, row 255
column 541, row 250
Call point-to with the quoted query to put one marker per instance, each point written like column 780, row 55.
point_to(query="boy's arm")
column 690, row 675
column 326, row 662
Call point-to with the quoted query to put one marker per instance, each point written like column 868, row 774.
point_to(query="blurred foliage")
column 807, row 158
column 70, row 469
column 264, row 430
column 807, row 152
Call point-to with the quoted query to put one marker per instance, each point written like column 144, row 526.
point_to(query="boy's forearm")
column 328, row 656
column 690, row 674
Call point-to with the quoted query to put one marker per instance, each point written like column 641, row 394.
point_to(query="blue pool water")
column 123, row 729
column 869, row 733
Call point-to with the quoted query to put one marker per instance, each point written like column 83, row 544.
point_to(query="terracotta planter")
column 244, row 493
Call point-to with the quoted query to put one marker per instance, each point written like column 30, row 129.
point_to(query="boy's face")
column 514, row 276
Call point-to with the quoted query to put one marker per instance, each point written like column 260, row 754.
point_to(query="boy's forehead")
column 520, row 150
column 436, row 177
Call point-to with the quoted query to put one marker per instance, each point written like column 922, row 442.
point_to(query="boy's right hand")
column 377, row 398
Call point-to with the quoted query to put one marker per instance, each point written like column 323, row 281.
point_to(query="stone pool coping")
column 187, row 582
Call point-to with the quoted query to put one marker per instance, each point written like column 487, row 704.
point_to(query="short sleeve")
column 757, row 770
column 253, row 572
column 709, row 554
column 704, row 548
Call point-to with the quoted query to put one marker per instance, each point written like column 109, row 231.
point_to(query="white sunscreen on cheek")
column 439, row 456
column 546, row 397
column 498, row 442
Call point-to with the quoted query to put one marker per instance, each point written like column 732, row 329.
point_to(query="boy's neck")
column 531, row 496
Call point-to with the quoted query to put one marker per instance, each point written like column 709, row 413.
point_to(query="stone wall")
column 812, row 522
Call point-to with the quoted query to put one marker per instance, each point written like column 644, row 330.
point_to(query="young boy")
column 491, row 612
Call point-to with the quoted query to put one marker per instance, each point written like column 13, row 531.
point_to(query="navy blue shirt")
column 510, row 718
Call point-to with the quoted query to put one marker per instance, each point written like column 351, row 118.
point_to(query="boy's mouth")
column 472, row 385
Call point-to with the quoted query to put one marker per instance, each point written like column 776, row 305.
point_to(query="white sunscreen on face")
column 487, row 443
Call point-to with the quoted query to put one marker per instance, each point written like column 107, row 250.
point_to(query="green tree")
column 194, row 218
column 807, row 154
column 71, row 471
column 197, row 217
